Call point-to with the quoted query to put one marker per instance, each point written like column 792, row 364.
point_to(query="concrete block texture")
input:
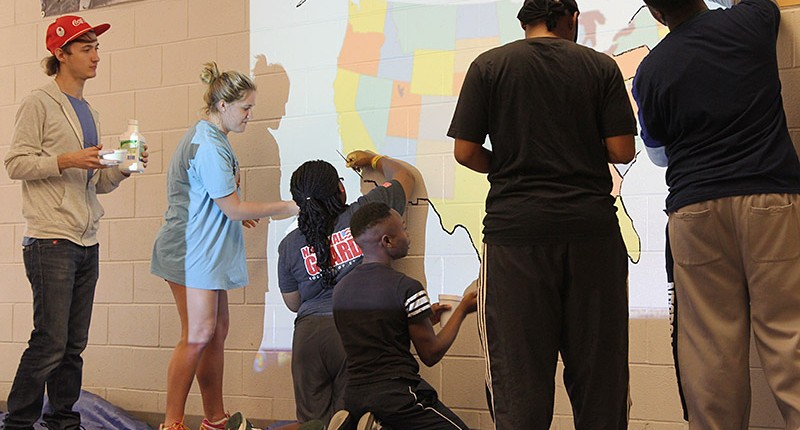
column 135, row 69
column 7, row 243
column 204, row 17
column 115, row 284
column 7, row 16
column 6, row 322
column 161, row 22
column 149, row 70
column 184, row 60
column 155, row 109
column 7, row 85
column 27, row 77
column 133, row 325
column 24, row 49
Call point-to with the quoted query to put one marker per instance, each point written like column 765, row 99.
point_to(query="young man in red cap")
column 55, row 153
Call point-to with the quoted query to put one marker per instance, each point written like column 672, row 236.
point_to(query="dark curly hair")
column 669, row 5
column 368, row 216
column 549, row 11
column 315, row 189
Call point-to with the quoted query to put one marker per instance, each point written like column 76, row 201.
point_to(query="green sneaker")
column 312, row 425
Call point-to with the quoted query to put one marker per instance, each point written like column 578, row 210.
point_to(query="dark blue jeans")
column 63, row 276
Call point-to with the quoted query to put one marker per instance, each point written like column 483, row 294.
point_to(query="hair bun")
column 210, row 73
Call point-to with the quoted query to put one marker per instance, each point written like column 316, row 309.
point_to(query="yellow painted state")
column 351, row 127
column 470, row 190
column 368, row 16
column 432, row 73
column 629, row 235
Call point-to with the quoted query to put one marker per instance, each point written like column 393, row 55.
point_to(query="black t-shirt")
column 372, row 307
column 710, row 94
column 546, row 105
column 297, row 262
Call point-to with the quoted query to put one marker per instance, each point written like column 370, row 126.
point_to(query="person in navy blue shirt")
column 710, row 110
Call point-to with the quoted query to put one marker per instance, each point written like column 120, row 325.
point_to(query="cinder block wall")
column 149, row 67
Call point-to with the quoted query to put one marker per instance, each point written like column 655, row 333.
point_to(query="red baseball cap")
column 67, row 28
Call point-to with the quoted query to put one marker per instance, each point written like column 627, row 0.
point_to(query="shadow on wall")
column 259, row 155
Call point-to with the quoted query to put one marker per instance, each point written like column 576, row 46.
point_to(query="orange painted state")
column 404, row 112
column 361, row 52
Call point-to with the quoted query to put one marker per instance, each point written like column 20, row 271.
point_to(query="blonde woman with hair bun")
column 199, row 250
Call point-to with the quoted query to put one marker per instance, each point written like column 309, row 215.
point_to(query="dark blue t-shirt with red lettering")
column 297, row 262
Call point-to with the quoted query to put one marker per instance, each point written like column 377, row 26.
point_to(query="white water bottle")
column 132, row 141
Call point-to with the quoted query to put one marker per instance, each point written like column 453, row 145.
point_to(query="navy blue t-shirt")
column 710, row 94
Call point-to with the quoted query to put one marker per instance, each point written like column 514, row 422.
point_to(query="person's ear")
column 60, row 54
column 386, row 241
column 221, row 105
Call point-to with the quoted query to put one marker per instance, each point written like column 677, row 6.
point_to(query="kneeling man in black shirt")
column 378, row 312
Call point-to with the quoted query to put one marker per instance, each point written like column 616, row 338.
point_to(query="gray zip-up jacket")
column 56, row 204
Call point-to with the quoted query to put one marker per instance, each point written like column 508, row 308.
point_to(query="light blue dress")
column 198, row 246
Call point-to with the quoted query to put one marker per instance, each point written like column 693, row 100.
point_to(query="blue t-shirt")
column 297, row 267
column 87, row 124
column 710, row 95
column 199, row 246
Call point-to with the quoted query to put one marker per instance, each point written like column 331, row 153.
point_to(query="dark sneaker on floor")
column 339, row 420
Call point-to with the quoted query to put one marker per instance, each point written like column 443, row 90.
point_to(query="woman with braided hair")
column 554, row 270
column 313, row 258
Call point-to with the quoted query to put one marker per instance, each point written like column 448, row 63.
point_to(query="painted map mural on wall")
column 385, row 75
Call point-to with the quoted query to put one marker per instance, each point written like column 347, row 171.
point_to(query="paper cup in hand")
column 116, row 156
column 448, row 299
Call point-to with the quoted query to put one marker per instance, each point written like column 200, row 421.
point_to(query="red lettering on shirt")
column 343, row 250
column 310, row 260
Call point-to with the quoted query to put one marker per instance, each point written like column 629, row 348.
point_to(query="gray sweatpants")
column 318, row 368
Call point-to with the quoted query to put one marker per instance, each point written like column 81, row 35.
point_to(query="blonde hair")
column 229, row 86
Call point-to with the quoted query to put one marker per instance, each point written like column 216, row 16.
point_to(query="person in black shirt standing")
column 378, row 312
column 554, row 272
column 711, row 111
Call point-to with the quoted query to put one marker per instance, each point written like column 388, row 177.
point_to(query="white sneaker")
column 368, row 422
column 339, row 420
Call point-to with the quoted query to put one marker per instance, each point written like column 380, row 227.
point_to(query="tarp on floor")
column 98, row 414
